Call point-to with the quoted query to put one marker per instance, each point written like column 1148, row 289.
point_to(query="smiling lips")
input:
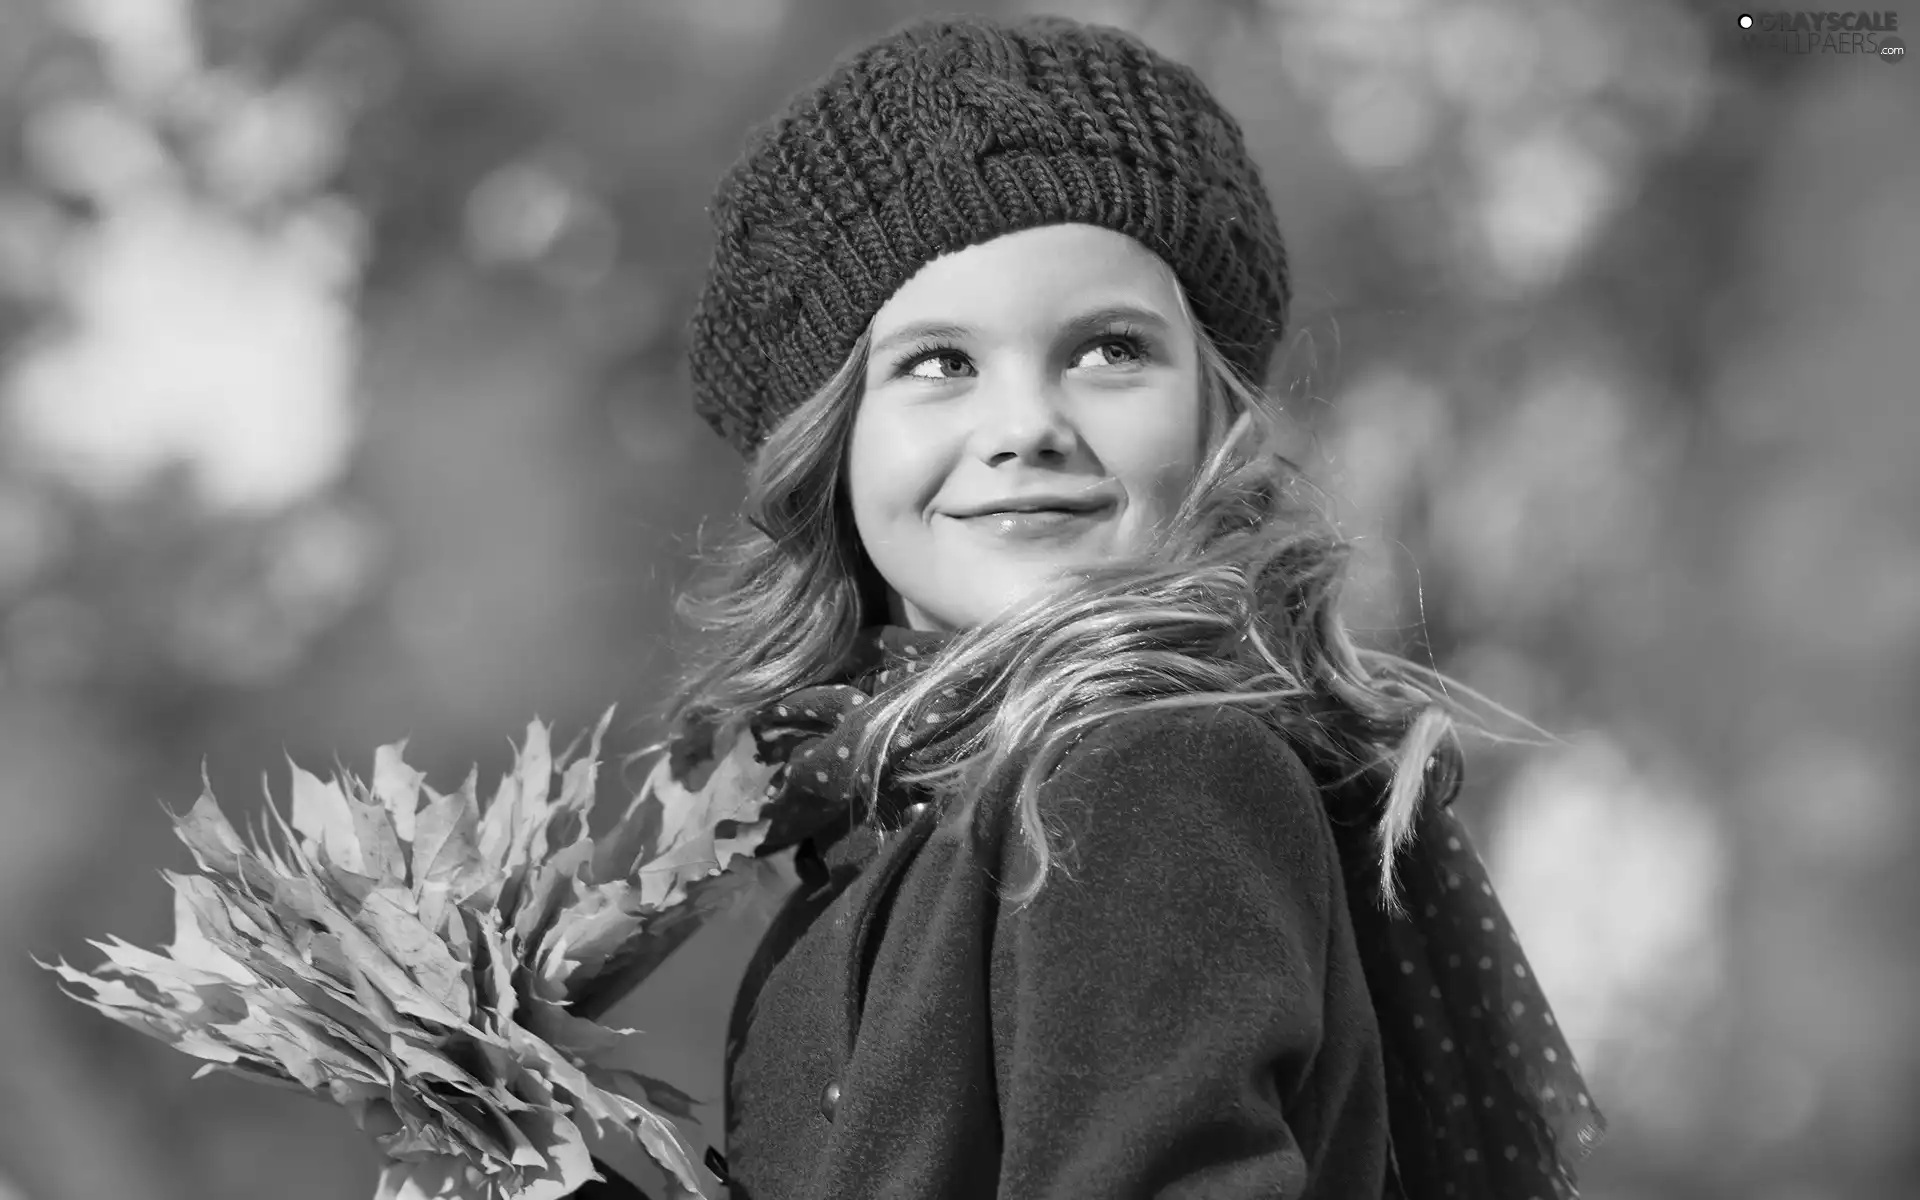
column 1030, row 517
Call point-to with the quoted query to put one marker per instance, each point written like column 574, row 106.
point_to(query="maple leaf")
column 446, row 960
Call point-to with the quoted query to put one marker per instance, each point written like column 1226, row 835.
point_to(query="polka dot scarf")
column 1485, row 1100
column 810, row 735
column 1484, row 1095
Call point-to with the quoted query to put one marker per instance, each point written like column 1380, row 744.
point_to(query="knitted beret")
column 946, row 133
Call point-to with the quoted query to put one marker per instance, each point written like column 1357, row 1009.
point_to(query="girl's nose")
column 1023, row 421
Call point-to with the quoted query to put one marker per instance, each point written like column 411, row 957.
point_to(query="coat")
column 1181, row 1012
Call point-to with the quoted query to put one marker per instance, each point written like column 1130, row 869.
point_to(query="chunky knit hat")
column 950, row 132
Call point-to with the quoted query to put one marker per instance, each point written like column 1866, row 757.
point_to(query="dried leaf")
column 428, row 959
column 554, row 882
column 507, row 829
column 567, row 1166
column 398, row 787
column 321, row 815
column 692, row 843
column 633, row 841
column 447, row 865
column 664, row 1142
column 735, row 792
column 381, row 857
column 215, row 846
column 193, row 896
column 424, row 951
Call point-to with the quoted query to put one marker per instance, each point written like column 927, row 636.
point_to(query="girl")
column 1124, row 873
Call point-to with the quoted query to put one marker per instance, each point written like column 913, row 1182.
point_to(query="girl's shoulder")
column 1223, row 736
column 1191, row 780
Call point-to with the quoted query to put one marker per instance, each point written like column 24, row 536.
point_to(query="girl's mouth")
column 1036, row 524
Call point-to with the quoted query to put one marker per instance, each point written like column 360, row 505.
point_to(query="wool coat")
column 1180, row 1013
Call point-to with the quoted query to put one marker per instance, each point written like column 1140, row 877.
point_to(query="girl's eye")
column 1118, row 350
column 937, row 365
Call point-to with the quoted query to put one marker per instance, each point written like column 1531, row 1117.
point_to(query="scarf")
column 1484, row 1097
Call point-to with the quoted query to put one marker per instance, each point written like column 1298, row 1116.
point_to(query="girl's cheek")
column 921, row 461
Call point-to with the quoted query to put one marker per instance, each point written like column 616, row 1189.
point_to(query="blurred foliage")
column 340, row 369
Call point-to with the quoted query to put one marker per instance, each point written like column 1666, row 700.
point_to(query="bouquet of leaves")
column 394, row 946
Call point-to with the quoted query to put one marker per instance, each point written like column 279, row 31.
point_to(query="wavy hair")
column 1233, row 602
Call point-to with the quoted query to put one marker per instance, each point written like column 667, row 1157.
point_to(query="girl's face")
column 1031, row 406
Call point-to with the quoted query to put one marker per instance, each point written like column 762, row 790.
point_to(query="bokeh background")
column 342, row 400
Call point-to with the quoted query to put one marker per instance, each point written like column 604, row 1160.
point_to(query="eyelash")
column 919, row 352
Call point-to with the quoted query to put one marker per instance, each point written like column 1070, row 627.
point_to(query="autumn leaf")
column 388, row 944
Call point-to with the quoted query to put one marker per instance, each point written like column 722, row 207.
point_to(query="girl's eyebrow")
column 1100, row 319
column 1090, row 322
column 924, row 331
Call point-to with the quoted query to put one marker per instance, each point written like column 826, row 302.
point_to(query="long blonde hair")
column 1233, row 603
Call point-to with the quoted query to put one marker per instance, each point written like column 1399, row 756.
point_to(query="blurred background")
column 342, row 400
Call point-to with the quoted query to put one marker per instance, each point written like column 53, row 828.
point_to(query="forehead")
column 1033, row 276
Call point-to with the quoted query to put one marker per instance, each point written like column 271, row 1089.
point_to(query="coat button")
column 829, row 1100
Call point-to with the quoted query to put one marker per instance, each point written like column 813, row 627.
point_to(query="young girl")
column 1124, row 873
